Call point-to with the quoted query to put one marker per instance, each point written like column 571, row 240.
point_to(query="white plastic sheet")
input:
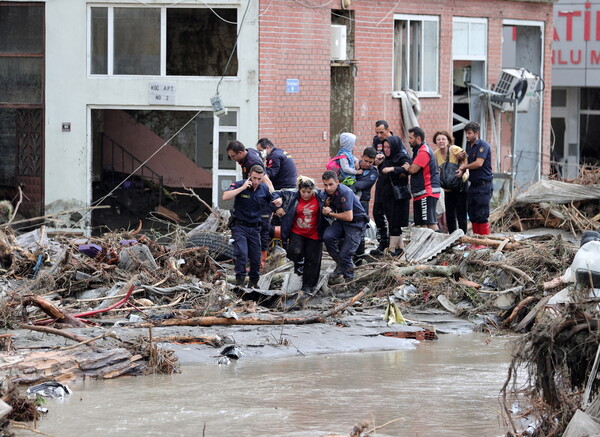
column 558, row 192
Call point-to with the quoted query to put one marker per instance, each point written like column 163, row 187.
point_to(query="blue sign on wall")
column 292, row 85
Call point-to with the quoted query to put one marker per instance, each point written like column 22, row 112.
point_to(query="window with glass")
column 416, row 53
column 469, row 38
column 21, row 53
column 163, row 41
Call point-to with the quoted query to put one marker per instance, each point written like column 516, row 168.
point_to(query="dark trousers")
column 246, row 247
column 456, row 210
column 478, row 201
column 341, row 240
column 361, row 247
column 380, row 221
column 310, row 251
column 265, row 238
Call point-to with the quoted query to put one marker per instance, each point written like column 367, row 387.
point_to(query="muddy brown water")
column 448, row 387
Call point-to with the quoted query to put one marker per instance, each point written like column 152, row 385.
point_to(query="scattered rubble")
column 80, row 289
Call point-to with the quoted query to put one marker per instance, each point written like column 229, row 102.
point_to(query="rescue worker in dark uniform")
column 382, row 132
column 247, row 158
column 481, row 187
column 366, row 176
column 280, row 167
column 343, row 236
column 251, row 196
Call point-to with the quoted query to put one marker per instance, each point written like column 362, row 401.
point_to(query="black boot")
column 379, row 250
column 253, row 283
column 240, row 280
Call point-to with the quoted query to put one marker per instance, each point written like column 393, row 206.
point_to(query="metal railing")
column 130, row 164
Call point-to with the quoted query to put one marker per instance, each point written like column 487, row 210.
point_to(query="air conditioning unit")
column 338, row 42
column 516, row 83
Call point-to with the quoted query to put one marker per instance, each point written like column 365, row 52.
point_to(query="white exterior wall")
column 71, row 93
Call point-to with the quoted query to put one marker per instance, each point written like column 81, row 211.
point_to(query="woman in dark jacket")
column 302, row 226
column 396, row 210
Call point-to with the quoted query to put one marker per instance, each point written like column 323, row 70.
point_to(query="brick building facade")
column 294, row 43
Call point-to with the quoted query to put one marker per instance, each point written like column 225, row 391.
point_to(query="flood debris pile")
column 82, row 288
column 495, row 283
column 48, row 284
column 572, row 206
column 553, row 376
column 553, row 386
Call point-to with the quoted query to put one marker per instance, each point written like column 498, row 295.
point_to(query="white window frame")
column 542, row 26
column 217, row 172
column 469, row 21
column 421, row 18
column 110, row 40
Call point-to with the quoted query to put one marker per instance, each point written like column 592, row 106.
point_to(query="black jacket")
column 398, row 157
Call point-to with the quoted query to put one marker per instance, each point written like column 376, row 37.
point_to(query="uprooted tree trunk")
column 52, row 311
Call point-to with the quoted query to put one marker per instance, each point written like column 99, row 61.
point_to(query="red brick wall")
column 294, row 44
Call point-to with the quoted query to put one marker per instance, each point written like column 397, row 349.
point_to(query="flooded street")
column 447, row 387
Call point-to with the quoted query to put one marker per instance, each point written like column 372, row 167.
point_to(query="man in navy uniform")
column 366, row 176
column 280, row 165
column 251, row 196
column 481, row 188
column 347, row 230
column 247, row 158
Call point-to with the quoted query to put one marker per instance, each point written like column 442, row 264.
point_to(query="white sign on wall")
column 576, row 43
column 162, row 93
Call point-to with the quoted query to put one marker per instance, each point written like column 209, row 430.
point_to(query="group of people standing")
column 464, row 176
column 337, row 216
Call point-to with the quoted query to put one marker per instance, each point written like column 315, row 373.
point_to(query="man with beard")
column 424, row 180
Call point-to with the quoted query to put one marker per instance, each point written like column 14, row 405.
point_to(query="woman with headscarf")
column 394, row 181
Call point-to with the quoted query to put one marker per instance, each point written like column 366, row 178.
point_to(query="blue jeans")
column 342, row 240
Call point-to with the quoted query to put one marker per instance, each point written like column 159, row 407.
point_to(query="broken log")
column 426, row 269
column 515, row 312
column 222, row 321
column 503, row 266
column 467, row 283
column 54, row 331
column 187, row 339
column 489, row 242
column 532, row 314
column 554, row 283
column 52, row 311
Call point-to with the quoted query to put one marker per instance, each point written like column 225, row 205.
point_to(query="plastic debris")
column 393, row 315
column 406, row 291
column 223, row 361
column 50, row 389
column 232, row 352
column 91, row 250
column 230, row 314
